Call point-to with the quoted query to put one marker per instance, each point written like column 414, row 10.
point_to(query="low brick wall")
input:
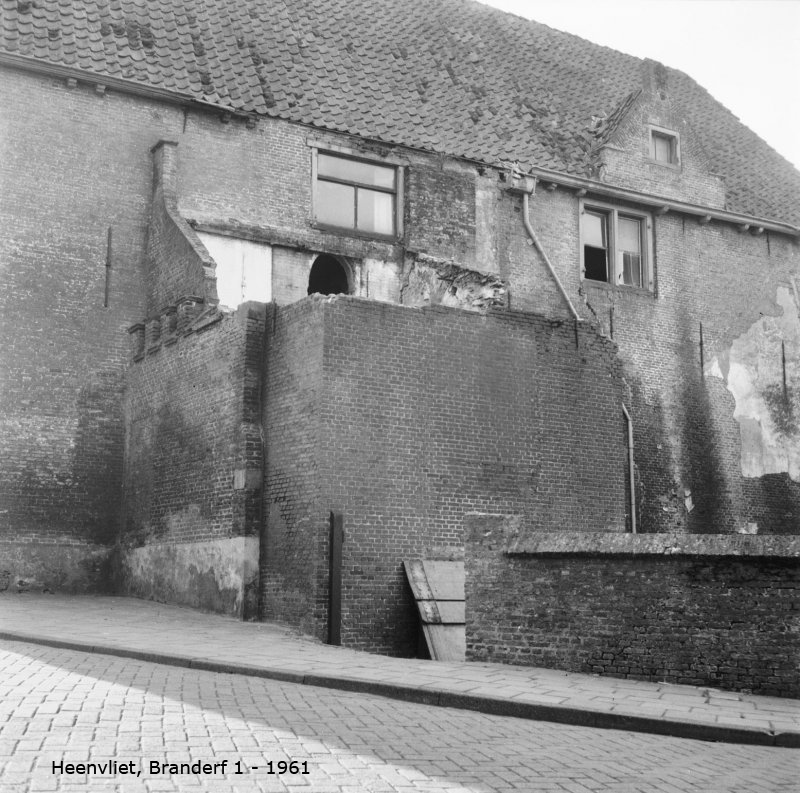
column 715, row 610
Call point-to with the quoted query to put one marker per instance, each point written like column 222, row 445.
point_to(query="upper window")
column 664, row 147
column 616, row 246
column 356, row 195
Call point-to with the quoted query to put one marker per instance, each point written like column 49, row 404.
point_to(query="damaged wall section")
column 193, row 467
column 433, row 282
column 760, row 370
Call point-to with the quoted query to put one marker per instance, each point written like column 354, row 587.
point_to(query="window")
column 356, row 195
column 616, row 246
column 664, row 147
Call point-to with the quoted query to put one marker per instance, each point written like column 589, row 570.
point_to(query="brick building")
column 402, row 262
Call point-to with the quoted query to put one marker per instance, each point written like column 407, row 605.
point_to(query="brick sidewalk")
column 183, row 637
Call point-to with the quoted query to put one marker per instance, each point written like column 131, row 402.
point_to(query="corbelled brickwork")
column 405, row 419
column 710, row 614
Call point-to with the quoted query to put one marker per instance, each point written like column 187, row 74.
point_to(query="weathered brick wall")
column 441, row 212
column 405, row 419
column 64, row 352
column 688, row 442
column 193, row 469
column 178, row 263
column 726, row 621
column 293, row 559
column 71, row 168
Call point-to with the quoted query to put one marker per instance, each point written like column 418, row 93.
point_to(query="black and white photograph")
column 399, row 396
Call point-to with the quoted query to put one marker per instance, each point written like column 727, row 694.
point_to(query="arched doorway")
column 328, row 276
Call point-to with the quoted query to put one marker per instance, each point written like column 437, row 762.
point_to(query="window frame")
column 354, row 231
column 675, row 146
column 612, row 213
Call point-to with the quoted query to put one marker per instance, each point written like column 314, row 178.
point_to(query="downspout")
column 631, row 476
column 538, row 246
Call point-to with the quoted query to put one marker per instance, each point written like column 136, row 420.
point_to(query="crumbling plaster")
column 218, row 575
column 761, row 369
column 429, row 282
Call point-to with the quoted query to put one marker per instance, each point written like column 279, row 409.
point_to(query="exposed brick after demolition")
column 725, row 621
column 406, row 419
column 194, row 466
column 441, row 219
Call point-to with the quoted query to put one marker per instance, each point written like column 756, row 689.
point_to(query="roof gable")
column 451, row 76
column 625, row 141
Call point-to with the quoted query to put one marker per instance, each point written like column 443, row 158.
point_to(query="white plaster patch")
column 382, row 280
column 769, row 420
column 244, row 269
column 169, row 571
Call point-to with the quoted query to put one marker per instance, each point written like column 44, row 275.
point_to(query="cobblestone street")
column 63, row 706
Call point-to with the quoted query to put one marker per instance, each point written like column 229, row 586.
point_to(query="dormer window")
column 664, row 147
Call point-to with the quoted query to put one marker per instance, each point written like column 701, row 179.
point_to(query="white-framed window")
column 665, row 147
column 356, row 195
column 616, row 245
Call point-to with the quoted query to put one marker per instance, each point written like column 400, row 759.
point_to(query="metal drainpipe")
column 538, row 245
column 631, row 476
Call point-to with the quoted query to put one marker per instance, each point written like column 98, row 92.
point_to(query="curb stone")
column 495, row 706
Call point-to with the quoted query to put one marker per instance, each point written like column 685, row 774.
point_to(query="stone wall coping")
column 624, row 544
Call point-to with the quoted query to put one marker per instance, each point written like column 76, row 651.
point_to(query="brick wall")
column 712, row 614
column 71, row 168
column 193, row 469
column 64, row 352
column 294, row 566
column 405, row 419
column 688, row 441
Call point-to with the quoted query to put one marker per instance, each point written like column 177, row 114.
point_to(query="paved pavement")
column 183, row 637
column 174, row 728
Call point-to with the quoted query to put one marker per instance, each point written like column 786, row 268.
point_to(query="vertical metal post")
column 335, row 580
column 702, row 353
column 631, row 467
column 783, row 362
column 108, row 267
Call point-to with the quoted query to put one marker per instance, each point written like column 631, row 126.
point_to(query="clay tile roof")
column 451, row 76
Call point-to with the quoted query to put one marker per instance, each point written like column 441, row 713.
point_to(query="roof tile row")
column 452, row 76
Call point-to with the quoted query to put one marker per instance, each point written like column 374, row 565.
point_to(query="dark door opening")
column 328, row 276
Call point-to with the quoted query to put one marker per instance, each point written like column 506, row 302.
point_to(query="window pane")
column 335, row 204
column 594, row 230
column 355, row 171
column 630, row 234
column 631, row 269
column 629, row 245
column 375, row 211
column 662, row 148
